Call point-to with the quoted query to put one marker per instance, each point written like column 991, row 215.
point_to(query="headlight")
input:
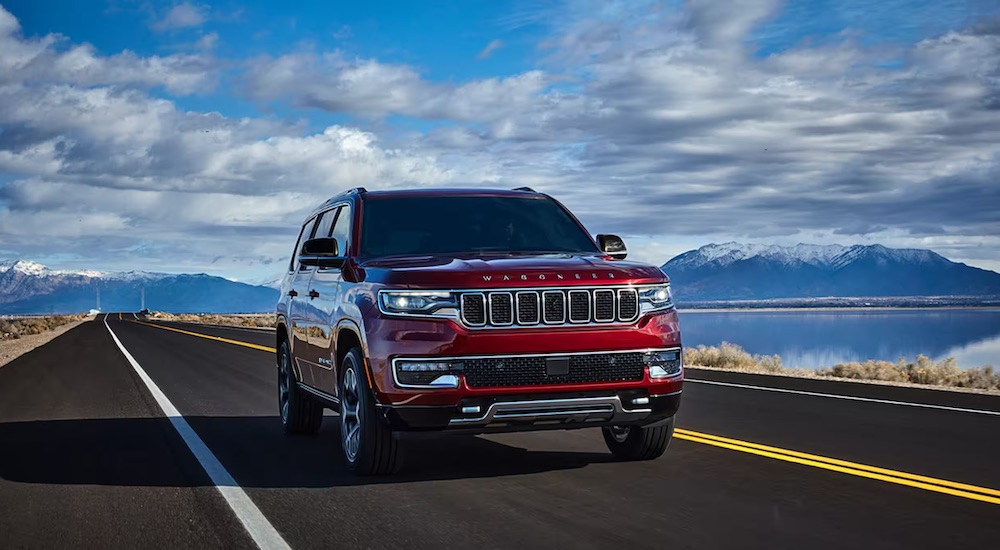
column 410, row 302
column 655, row 298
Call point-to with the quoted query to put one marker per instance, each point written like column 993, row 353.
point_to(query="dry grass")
column 261, row 320
column 923, row 370
column 16, row 328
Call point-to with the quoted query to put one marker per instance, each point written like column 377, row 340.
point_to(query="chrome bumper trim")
column 558, row 411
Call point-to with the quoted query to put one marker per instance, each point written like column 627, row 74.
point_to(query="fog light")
column 664, row 364
column 427, row 374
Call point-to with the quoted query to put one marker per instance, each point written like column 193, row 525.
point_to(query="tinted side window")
column 342, row 229
column 325, row 223
column 303, row 235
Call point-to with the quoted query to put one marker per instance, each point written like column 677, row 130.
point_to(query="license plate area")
column 557, row 366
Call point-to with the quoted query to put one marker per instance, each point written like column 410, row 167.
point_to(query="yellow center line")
column 861, row 470
column 927, row 483
column 119, row 316
column 209, row 337
column 845, row 463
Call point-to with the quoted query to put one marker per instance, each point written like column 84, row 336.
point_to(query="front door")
column 298, row 304
column 327, row 286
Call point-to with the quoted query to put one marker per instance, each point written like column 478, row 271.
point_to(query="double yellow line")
column 964, row 490
column 953, row 488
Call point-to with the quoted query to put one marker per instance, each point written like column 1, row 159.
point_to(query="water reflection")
column 818, row 339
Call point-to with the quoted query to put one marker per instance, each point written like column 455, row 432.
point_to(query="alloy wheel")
column 620, row 433
column 350, row 415
column 284, row 385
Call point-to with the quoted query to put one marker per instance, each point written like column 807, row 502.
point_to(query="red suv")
column 472, row 310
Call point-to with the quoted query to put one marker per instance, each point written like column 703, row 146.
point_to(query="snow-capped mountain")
column 29, row 287
column 734, row 271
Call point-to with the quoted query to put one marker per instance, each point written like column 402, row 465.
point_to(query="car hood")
column 442, row 272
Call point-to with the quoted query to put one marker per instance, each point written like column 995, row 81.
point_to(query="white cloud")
column 664, row 126
column 182, row 16
column 41, row 61
column 493, row 46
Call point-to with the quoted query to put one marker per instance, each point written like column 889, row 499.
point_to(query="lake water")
column 817, row 339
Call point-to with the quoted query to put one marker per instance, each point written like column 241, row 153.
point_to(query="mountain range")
column 29, row 287
column 715, row 272
column 734, row 271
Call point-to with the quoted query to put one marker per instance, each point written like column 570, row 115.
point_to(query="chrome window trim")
column 517, row 307
column 510, row 296
column 461, row 309
column 562, row 320
column 614, row 306
column 589, row 301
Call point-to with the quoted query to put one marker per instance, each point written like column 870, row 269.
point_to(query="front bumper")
column 537, row 412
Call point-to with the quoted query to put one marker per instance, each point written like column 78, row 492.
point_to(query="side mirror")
column 322, row 252
column 613, row 246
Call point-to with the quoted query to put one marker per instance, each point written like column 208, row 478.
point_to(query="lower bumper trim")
column 533, row 414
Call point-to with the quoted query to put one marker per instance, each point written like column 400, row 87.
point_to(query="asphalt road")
column 87, row 458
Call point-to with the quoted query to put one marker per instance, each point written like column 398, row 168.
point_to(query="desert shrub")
column 983, row 378
column 869, row 370
column 17, row 328
column 724, row 356
column 923, row 370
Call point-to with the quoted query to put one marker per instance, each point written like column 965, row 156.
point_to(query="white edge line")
column 847, row 397
column 253, row 520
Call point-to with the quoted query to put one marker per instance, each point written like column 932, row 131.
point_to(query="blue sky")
column 175, row 128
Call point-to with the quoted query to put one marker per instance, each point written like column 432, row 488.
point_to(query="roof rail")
column 528, row 189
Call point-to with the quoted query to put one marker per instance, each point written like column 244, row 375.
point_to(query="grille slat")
column 527, row 308
column 556, row 306
column 604, row 306
column 579, row 306
column 628, row 304
column 530, row 371
column 474, row 309
column 501, row 308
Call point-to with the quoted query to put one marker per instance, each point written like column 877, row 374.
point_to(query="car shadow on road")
column 150, row 452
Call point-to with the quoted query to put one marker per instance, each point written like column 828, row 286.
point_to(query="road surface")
column 88, row 458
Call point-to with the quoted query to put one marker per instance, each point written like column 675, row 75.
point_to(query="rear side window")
column 325, row 223
column 342, row 229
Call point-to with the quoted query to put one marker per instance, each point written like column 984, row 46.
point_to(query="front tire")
column 639, row 442
column 370, row 447
column 299, row 414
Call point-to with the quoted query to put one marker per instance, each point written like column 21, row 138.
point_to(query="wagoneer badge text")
column 542, row 277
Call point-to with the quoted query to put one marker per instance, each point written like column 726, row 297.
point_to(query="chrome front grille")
column 549, row 307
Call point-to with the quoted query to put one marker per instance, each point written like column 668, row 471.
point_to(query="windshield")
column 477, row 224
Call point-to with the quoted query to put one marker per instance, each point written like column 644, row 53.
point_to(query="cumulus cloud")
column 181, row 16
column 669, row 126
column 42, row 61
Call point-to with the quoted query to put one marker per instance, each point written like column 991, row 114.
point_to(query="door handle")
column 292, row 293
column 313, row 294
